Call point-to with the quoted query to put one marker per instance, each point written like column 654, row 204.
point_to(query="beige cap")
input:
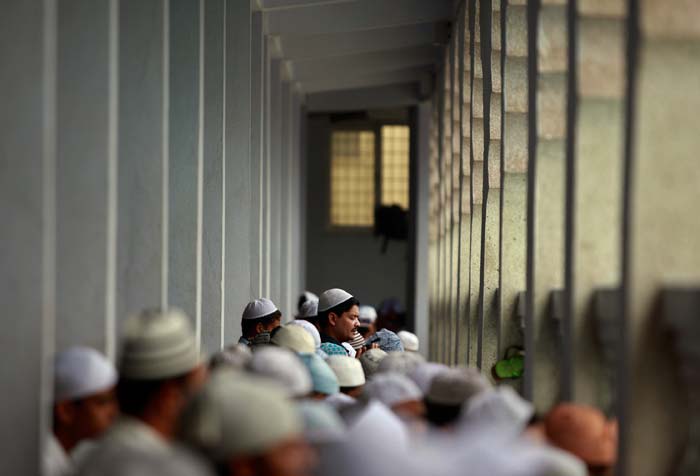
column 331, row 298
column 409, row 340
column 284, row 367
column 294, row 338
column 370, row 361
column 236, row 414
column 456, row 386
column 158, row 344
column 347, row 369
column 80, row 372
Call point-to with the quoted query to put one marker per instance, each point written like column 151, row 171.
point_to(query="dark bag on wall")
column 390, row 223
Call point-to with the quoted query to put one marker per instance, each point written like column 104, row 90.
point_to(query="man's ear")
column 259, row 327
column 65, row 412
column 332, row 319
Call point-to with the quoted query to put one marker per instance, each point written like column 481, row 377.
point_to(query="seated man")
column 338, row 320
column 84, row 404
column 160, row 368
column 260, row 318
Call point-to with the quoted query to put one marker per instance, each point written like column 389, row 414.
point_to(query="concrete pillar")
column 434, row 232
column 257, row 161
column 185, row 160
column 455, row 184
column 489, row 316
column 274, row 185
column 513, row 176
column 142, row 263
column 660, row 235
column 465, row 177
column 241, row 234
column 27, row 205
column 545, row 258
column 86, row 175
column 213, row 176
column 477, row 189
column 594, row 194
column 424, row 247
column 286, row 201
column 445, row 211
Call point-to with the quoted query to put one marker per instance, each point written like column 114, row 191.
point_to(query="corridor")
column 200, row 154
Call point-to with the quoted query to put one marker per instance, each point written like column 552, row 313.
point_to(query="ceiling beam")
column 356, row 16
column 363, row 99
column 339, row 82
column 365, row 63
column 339, row 44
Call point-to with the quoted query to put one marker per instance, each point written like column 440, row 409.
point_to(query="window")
column 355, row 174
column 352, row 178
column 395, row 162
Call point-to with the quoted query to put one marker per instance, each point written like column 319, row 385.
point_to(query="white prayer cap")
column 378, row 427
column 331, row 298
column 424, row 373
column 294, row 338
column 500, row 407
column 401, row 362
column 309, row 309
column 309, row 296
column 347, row 369
column 258, row 308
column 158, row 344
column 368, row 314
column 311, row 329
column 370, row 361
column 236, row 356
column 322, row 424
column 409, row 340
column 392, row 388
column 339, row 401
column 80, row 372
column 235, row 414
column 284, row 367
column 456, row 386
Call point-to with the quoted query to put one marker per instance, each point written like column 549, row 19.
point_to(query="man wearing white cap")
column 338, row 319
column 260, row 318
column 245, row 428
column 368, row 319
column 160, row 368
column 409, row 340
column 351, row 377
column 84, row 404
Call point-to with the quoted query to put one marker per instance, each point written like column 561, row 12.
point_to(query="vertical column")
column 594, row 191
column 287, row 200
column 143, row 155
column 513, row 173
column 491, row 47
column 477, row 187
column 423, row 227
column 274, row 186
column 661, row 231
column 27, row 201
column 465, row 178
column 442, row 227
column 86, row 175
column 185, row 160
column 241, row 235
column 434, row 233
column 257, row 77
column 545, row 259
column 452, row 194
column 213, row 174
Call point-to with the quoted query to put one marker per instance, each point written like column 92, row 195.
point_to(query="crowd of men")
column 332, row 392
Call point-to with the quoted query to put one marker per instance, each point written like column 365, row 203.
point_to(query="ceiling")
column 332, row 46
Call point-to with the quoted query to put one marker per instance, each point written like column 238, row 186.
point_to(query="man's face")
column 272, row 325
column 345, row 324
column 94, row 414
column 293, row 457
